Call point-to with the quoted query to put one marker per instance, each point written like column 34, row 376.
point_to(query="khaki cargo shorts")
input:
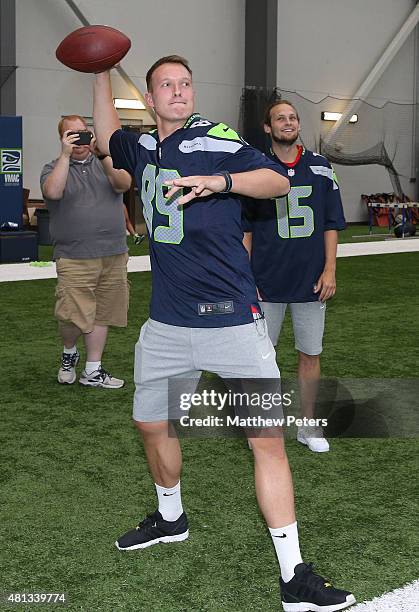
column 92, row 291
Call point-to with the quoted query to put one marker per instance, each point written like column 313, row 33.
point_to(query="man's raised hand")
column 68, row 142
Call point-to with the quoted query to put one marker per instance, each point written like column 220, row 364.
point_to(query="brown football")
column 93, row 48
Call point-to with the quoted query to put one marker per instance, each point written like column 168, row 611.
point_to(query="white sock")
column 91, row 366
column 170, row 502
column 287, row 549
column 70, row 351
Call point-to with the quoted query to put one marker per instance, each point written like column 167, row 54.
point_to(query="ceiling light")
column 128, row 104
column 326, row 116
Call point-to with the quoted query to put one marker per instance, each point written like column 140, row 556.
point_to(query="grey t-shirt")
column 89, row 220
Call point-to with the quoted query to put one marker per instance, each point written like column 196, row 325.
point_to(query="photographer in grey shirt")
column 83, row 193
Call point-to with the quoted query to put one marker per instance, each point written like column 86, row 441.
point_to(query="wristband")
column 228, row 180
column 102, row 157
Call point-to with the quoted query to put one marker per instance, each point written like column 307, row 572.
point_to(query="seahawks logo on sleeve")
column 327, row 172
column 219, row 138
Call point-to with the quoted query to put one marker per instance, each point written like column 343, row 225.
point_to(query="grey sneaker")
column 100, row 378
column 67, row 371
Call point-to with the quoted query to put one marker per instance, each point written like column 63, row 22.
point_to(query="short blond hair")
column 168, row 59
column 61, row 129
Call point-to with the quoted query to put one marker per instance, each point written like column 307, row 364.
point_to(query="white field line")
column 139, row 264
column 405, row 599
column 24, row 271
column 402, row 245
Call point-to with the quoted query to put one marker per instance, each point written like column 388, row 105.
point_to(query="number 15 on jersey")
column 289, row 208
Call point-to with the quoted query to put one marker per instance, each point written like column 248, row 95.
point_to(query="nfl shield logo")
column 291, row 171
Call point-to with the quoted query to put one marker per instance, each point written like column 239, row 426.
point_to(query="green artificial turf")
column 74, row 477
column 361, row 233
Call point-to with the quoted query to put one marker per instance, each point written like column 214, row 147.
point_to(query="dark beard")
column 284, row 141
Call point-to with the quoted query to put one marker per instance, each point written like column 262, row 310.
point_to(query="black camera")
column 84, row 137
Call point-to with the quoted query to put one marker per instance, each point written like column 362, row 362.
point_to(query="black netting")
column 254, row 100
column 382, row 135
column 374, row 155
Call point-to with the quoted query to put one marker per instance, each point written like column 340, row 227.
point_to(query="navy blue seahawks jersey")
column 200, row 269
column 288, row 253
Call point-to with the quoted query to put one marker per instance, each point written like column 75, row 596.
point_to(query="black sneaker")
column 307, row 591
column 152, row 530
column 67, row 371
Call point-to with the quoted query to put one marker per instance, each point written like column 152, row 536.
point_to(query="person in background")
column 292, row 242
column 138, row 238
column 83, row 193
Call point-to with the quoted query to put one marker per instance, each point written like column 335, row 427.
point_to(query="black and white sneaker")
column 67, row 371
column 152, row 530
column 307, row 591
column 100, row 378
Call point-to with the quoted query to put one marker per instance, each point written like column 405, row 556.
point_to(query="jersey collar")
column 300, row 152
column 192, row 118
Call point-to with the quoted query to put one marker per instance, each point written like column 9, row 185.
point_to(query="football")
column 93, row 48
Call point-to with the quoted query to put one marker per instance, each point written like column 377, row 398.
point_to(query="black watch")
column 102, row 157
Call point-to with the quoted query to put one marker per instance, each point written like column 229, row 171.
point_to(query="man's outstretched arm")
column 105, row 116
column 260, row 184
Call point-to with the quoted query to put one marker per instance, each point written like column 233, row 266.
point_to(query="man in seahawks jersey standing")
column 293, row 242
column 203, row 300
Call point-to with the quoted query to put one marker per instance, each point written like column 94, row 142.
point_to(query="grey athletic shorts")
column 168, row 351
column 308, row 320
